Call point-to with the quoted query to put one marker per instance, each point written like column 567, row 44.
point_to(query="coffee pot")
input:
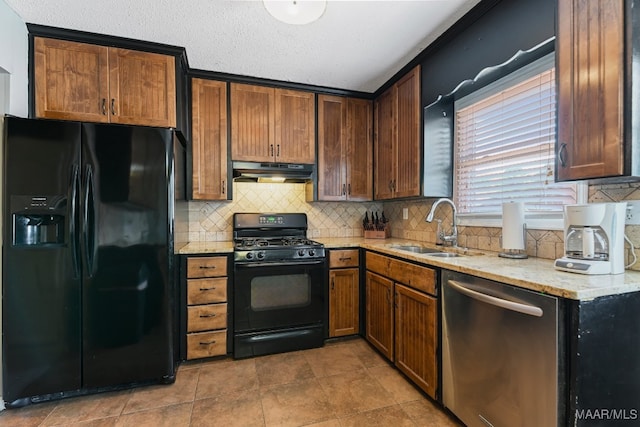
column 593, row 238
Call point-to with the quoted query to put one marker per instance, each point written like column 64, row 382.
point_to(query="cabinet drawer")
column 343, row 258
column 206, row 344
column 206, row 267
column 378, row 263
column 416, row 276
column 205, row 317
column 206, row 291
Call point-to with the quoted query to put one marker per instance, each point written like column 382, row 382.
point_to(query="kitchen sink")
column 443, row 254
column 417, row 249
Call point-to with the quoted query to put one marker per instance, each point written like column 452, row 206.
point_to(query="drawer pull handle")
column 207, row 266
column 345, row 259
column 208, row 315
column 207, row 342
column 208, row 289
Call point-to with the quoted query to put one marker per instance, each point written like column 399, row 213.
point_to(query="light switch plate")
column 405, row 213
column 633, row 212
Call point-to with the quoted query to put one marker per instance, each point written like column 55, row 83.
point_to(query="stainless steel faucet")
column 452, row 238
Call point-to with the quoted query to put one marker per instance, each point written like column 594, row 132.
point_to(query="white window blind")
column 505, row 139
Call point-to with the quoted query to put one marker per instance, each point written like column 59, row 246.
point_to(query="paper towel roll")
column 513, row 225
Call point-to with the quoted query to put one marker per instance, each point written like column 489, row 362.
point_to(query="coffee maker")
column 593, row 238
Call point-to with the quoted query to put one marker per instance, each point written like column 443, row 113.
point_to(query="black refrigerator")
column 87, row 267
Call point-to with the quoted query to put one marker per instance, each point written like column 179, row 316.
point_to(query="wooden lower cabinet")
column 402, row 317
column 416, row 337
column 206, row 306
column 344, row 292
column 379, row 297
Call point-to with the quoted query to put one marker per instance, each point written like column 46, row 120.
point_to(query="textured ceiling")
column 355, row 45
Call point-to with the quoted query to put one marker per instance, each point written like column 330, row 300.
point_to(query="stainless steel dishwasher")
column 500, row 353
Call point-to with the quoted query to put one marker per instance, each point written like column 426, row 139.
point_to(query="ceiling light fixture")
column 297, row 12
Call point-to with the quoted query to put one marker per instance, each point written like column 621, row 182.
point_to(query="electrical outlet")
column 405, row 213
column 633, row 212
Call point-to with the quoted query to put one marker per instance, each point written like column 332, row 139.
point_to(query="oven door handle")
column 278, row 264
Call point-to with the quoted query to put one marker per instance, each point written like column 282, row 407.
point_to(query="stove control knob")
column 249, row 255
column 260, row 255
column 312, row 252
column 300, row 252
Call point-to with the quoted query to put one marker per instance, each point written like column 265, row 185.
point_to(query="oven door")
column 279, row 306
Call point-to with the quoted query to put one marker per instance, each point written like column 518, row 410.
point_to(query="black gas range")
column 280, row 284
column 273, row 238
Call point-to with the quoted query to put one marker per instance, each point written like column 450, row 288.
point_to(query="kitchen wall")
column 212, row 221
column 14, row 58
column 547, row 244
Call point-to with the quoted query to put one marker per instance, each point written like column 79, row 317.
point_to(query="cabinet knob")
column 271, row 149
column 104, row 106
column 113, row 106
column 344, row 190
column 278, row 151
column 562, row 155
column 223, row 187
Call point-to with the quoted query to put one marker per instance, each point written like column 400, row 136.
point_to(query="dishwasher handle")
column 530, row 310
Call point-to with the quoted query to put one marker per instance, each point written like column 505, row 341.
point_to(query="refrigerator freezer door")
column 41, row 288
column 126, row 200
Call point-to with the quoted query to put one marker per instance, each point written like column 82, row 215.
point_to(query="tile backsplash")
column 211, row 221
column 547, row 244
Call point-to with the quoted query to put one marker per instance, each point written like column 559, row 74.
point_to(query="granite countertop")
column 535, row 274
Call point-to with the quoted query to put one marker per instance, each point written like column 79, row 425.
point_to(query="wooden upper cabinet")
column 397, row 139
column 332, row 124
column 344, row 148
column 252, row 123
column 590, row 63
column 407, row 181
column 71, row 80
column 209, row 139
column 85, row 82
column 142, row 88
column 384, row 145
column 295, row 126
column 359, row 161
column 272, row 125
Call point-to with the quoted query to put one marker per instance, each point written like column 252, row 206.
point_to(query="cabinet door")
column 590, row 69
column 332, row 111
column 379, row 297
column 416, row 337
column 407, row 181
column 344, row 294
column 359, row 153
column 384, row 145
column 142, row 88
column 71, row 80
column 209, row 139
column 252, row 123
column 295, row 126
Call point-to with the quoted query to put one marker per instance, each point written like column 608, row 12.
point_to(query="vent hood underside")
column 272, row 172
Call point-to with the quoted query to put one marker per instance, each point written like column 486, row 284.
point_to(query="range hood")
column 272, row 172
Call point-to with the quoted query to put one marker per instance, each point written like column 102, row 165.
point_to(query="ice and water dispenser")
column 38, row 220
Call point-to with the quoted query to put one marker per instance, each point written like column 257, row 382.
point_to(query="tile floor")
column 344, row 383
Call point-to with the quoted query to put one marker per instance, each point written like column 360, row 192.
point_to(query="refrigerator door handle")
column 89, row 227
column 73, row 235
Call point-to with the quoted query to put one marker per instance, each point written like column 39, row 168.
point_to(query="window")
column 505, row 148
